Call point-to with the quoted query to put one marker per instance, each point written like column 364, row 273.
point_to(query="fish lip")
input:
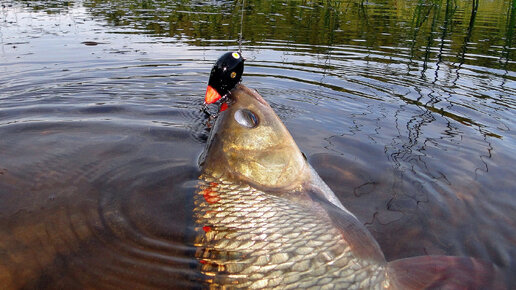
column 252, row 92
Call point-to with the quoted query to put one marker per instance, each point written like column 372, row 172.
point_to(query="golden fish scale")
column 248, row 238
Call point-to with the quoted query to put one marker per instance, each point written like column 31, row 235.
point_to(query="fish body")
column 265, row 219
column 254, row 239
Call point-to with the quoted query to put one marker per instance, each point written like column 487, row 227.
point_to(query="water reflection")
column 391, row 24
column 405, row 108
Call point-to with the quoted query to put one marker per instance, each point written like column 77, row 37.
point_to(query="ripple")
column 409, row 122
column 95, row 214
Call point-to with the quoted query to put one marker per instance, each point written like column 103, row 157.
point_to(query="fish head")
column 250, row 143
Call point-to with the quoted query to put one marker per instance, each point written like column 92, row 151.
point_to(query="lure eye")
column 246, row 118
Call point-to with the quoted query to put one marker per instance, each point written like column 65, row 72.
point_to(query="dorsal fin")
column 444, row 272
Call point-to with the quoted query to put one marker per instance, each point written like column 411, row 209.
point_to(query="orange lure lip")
column 211, row 95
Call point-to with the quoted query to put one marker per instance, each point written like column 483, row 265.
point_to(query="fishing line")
column 204, row 107
column 240, row 35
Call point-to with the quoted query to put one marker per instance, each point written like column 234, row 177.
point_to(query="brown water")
column 405, row 108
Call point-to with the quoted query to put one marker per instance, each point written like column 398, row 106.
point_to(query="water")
column 405, row 108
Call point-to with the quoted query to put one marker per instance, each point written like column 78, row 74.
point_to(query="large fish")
column 267, row 220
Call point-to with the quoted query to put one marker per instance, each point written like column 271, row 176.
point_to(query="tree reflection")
column 509, row 35
column 467, row 38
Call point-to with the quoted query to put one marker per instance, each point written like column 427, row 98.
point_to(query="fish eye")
column 246, row 118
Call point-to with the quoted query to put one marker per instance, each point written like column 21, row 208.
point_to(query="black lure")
column 225, row 75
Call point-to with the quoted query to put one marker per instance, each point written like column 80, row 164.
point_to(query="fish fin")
column 444, row 272
column 360, row 240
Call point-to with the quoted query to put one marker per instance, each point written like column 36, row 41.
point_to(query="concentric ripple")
column 84, row 211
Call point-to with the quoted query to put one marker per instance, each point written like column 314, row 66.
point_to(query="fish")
column 265, row 219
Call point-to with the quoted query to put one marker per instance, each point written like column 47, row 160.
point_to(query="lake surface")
column 405, row 108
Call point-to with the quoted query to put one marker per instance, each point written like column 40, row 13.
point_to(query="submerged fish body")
column 265, row 219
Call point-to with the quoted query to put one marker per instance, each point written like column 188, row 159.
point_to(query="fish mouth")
column 250, row 92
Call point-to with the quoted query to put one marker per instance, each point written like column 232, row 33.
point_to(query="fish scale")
column 253, row 239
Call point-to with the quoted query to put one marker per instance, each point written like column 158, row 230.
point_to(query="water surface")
column 405, row 108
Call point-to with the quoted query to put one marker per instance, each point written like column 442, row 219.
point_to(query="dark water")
column 405, row 108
